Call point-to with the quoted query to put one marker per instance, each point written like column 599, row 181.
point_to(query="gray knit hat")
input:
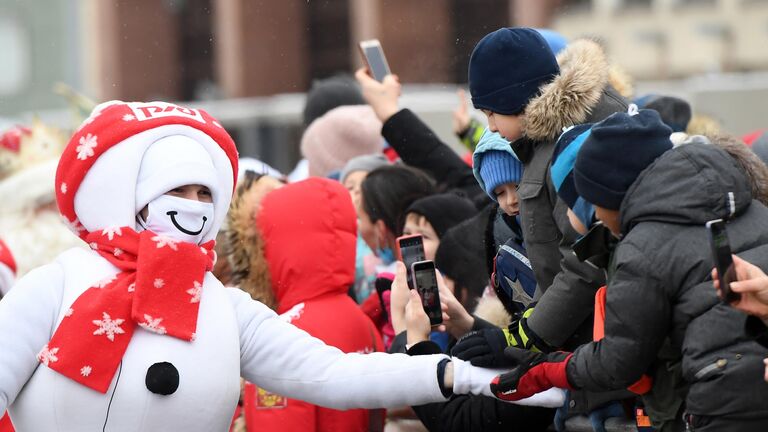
column 365, row 163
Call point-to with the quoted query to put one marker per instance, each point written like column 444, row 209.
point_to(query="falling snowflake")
column 152, row 325
column 69, row 312
column 111, row 232
column 129, row 117
column 204, row 250
column 85, row 370
column 158, row 283
column 117, row 252
column 132, row 287
column 87, row 144
column 48, row 355
column 195, row 292
column 163, row 241
column 94, row 246
column 63, row 188
column 104, row 282
column 108, row 326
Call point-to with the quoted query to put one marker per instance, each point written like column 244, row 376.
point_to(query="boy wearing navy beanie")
column 529, row 97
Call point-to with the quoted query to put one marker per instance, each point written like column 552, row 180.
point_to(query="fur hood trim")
column 244, row 244
column 571, row 96
column 490, row 309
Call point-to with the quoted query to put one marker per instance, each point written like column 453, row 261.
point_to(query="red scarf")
column 158, row 288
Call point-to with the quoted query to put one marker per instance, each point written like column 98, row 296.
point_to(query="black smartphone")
column 721, row 253
column 373, row 55
column 425, row 283
column 410, row 249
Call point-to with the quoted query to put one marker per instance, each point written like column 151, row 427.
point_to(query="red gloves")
column 535, row 372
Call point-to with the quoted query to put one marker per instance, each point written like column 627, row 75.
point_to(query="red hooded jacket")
column 310, row 231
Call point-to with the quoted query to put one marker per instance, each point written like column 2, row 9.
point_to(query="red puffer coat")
column 309, row 231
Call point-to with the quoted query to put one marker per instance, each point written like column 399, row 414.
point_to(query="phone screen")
column 374, row 56
column 411, row 251
column 426, row 285
column 721, row 252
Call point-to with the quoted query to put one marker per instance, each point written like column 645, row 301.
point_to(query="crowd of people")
column 202, row 291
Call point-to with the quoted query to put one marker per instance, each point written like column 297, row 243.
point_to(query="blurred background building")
column 249, row 61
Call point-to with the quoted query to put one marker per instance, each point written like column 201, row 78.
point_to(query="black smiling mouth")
column 173, row 214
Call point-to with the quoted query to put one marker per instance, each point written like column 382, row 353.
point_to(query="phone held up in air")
column 410, row 249
column 721, row 253
column 373, row 55
column 425, row 283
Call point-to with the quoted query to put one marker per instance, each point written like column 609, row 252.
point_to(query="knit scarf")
column 158, row 288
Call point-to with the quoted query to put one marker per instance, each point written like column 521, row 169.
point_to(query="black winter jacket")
column 419, row 147
column 660, row 293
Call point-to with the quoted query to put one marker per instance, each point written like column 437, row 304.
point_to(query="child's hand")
column 456, row 319
column 399, row 297
column 417, row 321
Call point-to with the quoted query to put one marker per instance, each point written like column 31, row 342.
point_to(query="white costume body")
column 235, row 336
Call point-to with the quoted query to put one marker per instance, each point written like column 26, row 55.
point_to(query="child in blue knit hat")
column 498, row 171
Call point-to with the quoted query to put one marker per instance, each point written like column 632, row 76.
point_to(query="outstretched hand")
column 752, row 283
column 383, row 96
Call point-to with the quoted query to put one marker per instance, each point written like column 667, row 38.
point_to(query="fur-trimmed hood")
column 573, row 95
column 295, row 244
column 244, row 245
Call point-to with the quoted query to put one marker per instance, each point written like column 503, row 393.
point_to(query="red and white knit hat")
column 98, row 173
column 7, row 269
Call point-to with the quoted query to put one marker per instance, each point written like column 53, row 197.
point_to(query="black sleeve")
column 482, row 413
column 419, row 147
column 398, row 343
column 756, row 329
column 637, row 317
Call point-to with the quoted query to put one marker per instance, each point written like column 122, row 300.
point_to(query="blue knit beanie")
column 614, row 154
column 561, row 170
column 507, row 67
column 494, row 163
column 555, row 40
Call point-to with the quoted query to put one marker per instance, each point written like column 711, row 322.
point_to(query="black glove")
column 485, row 348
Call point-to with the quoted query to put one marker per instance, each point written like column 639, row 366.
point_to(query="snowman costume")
column 127, row 336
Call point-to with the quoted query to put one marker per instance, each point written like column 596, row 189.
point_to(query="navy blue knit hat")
column 561, row 170
column 507, row 67
column 614, row 154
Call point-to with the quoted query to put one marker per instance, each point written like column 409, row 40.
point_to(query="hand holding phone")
column 374, row 57
column 425, row 284
column 721, row 254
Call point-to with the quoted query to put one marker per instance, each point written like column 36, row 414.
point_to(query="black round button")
column 162, row 378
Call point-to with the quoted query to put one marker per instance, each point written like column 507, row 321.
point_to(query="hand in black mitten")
column 484, row 348
column 534, row 373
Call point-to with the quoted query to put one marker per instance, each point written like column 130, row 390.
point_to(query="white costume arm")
column 470, row 379
column 288, row 361
column 28, row 315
